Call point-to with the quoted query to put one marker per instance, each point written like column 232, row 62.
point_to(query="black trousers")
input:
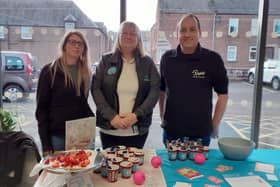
column 129, row 141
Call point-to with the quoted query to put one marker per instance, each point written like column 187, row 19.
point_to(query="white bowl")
column 235, row 148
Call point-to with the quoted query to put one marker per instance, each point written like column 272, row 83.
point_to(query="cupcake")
column 140, row 155
column 112, row 172
column 135, row 162
column 126, row 169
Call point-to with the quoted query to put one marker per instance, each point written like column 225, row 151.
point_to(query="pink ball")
column 139, row 177
column 156, row 161
column 199, row 158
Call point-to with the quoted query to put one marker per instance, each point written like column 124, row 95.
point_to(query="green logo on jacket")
column 111, row 70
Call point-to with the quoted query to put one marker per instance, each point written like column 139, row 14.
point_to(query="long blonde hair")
column 83, row 70
column 139, row 48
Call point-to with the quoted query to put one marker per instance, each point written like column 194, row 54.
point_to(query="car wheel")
column 251, row 78
column 275, row 83
column 13, row 93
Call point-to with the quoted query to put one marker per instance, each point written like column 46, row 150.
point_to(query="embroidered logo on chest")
column 198, row 74
column 111, row 70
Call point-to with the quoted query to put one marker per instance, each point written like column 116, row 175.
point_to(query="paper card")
column 215, row 179
column 223, row 168
column 80, row 133
column 210, row 185
column 268, row 168
column 189, row 173
column 255, row 181
column 271, row 177
column 182, row 184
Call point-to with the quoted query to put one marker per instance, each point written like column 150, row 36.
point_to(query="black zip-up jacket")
column 57, row 104
column 104, row 90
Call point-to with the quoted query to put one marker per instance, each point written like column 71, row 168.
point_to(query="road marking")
column 236, row 130
column 264, row 87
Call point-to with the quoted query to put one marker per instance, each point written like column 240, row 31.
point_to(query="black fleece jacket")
column 57, row 104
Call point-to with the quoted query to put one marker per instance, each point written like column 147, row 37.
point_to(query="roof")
column 51, row 13
column 219, row 6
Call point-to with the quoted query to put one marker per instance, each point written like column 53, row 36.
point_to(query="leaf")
column 7, row 121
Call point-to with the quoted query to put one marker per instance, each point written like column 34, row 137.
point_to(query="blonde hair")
column 139, row 48
column 83, row 70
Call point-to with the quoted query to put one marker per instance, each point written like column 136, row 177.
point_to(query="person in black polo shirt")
column 189, row 74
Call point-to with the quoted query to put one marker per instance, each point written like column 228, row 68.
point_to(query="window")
column 26, row 33
column 13, row 64
column 254, row 27
column 276, row 26
column 233, row 26
column 69, row 26
column 2, row 34
column 252, row 53
column 231, row 53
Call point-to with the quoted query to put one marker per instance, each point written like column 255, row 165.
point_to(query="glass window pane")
column 26, row 32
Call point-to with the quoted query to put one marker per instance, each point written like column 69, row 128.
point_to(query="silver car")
column 16, row 74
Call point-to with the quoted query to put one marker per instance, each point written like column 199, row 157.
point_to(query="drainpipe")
column 123, row 10
column 1, row 89
column 213, row 31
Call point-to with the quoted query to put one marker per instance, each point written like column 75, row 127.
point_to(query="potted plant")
column 7, row 121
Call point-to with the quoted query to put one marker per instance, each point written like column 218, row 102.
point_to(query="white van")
column 271, row 73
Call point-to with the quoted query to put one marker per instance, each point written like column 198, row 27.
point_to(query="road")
column 236, row 121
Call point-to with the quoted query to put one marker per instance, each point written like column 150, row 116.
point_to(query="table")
column 167, row 175
column 215, row 158
column 154, row 177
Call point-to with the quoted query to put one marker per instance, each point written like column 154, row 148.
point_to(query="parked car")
column 271, row 73
column 93, row 66
column 16, row 74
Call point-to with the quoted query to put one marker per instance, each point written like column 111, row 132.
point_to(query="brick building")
column 228, row 26
column 37, row 26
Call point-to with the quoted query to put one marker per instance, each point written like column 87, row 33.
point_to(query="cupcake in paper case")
column 112, row 172
column 135, row 163
column 140, row 154
column 182, row 153
column 172, row 152
column 110, row 156
column 117, row 161
column 103, row 170
column 111, row 150
column 121, row 152
column 132, row 149
column 205, row 151
column 122, row 147
column 126, row 169
column 193, row 151
column 126, row 156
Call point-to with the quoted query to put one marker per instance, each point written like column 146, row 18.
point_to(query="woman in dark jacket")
column 125, row 89
column 62, row 93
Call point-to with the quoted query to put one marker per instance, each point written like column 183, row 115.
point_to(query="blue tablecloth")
column 240, row 168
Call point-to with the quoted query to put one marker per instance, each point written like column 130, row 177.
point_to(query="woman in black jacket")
column 125, row 89
column 62, row 93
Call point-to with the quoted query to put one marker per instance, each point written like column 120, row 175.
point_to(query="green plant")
column 8, row 123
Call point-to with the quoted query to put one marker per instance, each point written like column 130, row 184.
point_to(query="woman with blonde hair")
column 125, row 88
column 62, row 93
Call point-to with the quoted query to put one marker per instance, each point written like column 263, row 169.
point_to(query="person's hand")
column 215, row 133
column 129, row 118
column 117, row 122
